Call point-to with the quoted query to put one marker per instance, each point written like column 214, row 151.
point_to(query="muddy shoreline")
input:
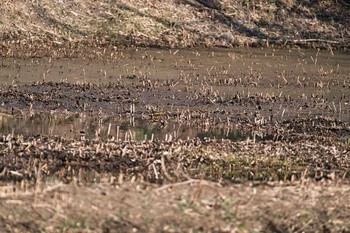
column 65, row 148
column 97, row 49
column 258, row 93
column 294, row 125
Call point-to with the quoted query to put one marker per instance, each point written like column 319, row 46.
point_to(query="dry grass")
column 197, row 206
column 176, row 23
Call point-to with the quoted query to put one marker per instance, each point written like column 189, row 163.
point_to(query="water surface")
column 87, row 127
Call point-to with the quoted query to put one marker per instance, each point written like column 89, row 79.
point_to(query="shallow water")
column 201, row 67
column 87, row 127
column 170, row 64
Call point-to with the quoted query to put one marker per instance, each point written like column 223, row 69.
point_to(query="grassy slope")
column 177, row 23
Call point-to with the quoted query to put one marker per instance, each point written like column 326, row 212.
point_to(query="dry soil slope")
column 174, row 23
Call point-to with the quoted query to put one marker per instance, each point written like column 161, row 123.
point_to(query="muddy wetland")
column 176, row 140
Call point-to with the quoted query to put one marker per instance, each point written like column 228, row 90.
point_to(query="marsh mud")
column 221, row 135
column 163, row 96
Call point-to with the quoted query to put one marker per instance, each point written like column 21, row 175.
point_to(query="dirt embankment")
column 66, row 28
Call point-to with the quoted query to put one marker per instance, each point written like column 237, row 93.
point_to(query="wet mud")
column 220, row 140
column 278, row 108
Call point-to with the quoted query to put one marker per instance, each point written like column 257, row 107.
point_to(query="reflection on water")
column 79, row 127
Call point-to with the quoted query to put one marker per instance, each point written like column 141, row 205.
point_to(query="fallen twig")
column 191, row 181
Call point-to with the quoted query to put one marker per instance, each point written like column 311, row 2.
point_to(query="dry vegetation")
column 191, row 206
column 66, row 26
column 295, row 179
